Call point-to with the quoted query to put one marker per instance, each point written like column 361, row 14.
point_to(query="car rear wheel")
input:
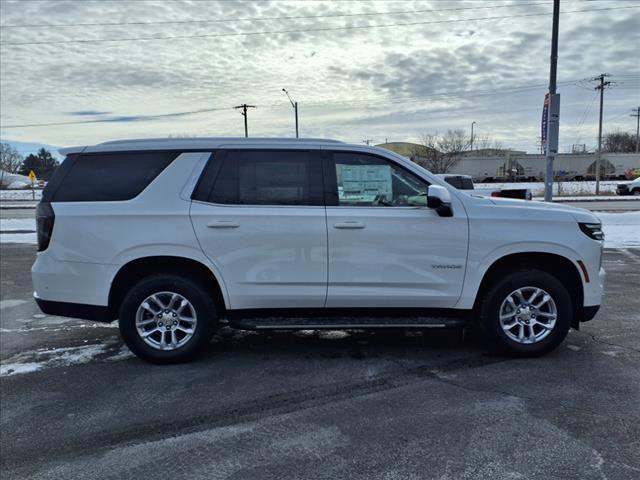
column 167, row 318
column 527, row 313
column 636, row 191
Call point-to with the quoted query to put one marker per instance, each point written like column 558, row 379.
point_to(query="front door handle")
column 349, row 225
column 223, row 224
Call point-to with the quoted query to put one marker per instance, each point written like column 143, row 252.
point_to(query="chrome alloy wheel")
column 528, row 314
column 166, row 320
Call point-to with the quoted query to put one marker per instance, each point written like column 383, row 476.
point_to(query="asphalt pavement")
column 388, row 405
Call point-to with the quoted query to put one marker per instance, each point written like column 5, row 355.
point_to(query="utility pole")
column 471, row 141
column 295, row 107
column 637, row 115
column 244, row 107
column 600, row 87
column 553, row 125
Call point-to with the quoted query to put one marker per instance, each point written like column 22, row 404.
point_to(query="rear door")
column 259, row 217
column 384, row 252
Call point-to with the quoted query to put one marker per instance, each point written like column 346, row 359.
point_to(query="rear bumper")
column 96, row 313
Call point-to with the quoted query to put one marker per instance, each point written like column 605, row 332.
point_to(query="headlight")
column 592, row 230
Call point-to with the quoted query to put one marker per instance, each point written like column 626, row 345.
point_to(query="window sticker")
column 363, row 183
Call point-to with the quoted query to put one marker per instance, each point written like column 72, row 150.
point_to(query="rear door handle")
column 223, row 224
column 349, row 225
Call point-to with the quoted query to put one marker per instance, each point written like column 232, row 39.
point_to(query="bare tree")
column 619, row 142
column 440, row 153
column 10, row 159
column 485, row 142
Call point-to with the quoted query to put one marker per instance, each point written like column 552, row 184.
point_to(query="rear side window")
column 105, row 177
column 269, row 177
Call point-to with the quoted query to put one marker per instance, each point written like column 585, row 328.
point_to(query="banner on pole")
column 544, row 123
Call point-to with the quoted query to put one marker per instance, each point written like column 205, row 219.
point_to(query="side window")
column 269, row 177
column 453, row 181
column 467, row 183
column 369, row 181
column 108, row 177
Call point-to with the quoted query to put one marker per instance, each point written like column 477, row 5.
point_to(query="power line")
column 367, row 101
column 304, row 30
column 584, row 117
column 264, row 19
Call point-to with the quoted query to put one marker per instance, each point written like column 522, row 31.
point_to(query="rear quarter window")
column 96, row 177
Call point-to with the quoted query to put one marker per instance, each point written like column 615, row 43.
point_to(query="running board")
column 343, row 323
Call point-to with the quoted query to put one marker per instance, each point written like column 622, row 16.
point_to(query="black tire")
column 201, row 300
column 636, row 191
column 490, row 310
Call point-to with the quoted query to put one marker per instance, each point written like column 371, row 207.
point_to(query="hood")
column 579, row 214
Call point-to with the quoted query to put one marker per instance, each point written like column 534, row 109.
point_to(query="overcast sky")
column 438, row 66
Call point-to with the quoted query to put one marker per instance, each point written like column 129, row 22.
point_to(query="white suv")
column 170, row 236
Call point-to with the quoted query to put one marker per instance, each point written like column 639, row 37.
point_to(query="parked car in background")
column 629, row 188
column 170, row 236
column 465, row 182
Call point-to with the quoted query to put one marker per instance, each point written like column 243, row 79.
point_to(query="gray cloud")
column 356, row 84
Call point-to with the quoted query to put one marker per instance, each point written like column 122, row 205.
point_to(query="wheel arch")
column 557, row 265
column 135, row 270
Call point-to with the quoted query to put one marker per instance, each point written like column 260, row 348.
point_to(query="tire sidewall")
column 528, row 278
column 202, row 303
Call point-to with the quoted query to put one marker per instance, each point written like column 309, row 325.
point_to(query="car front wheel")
column 527, row 313
column 167, row 318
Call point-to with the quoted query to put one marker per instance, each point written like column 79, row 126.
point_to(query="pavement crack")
column 611, row 344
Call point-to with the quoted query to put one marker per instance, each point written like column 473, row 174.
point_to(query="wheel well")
column 134, row 271
column 556, row 265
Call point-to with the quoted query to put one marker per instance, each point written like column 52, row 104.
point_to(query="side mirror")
column 439, row 199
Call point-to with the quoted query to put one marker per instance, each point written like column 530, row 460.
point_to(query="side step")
column 343, row 323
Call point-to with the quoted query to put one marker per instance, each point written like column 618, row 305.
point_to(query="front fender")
column 480, row 262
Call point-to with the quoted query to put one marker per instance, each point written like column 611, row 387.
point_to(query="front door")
column 384, row 252
column 261, row 221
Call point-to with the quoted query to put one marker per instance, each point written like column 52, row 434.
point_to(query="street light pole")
column 295, row 108
column 637, row 115
column 472, row 124
column 553, row 125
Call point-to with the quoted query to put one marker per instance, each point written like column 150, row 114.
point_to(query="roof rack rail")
column 225, row 139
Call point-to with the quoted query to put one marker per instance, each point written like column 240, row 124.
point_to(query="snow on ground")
column 27, row 362
column 10, row 225
column 621, row 230
column 18, row 238
column 19, row 194
column 563, row 188
column 17, row 224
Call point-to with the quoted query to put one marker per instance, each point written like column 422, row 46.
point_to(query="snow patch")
column 27, row 362
column 20, row 194
column 17, row 224
column 19, row 368
column 18, row 238
column 564, row 188
column 11, row 303
column 621, row 230
column 333, row 334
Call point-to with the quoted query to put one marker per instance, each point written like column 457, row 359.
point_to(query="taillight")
column 44, row 224
column 495, row 194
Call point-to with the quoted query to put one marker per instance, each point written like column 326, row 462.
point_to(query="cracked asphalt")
column 310, row 405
